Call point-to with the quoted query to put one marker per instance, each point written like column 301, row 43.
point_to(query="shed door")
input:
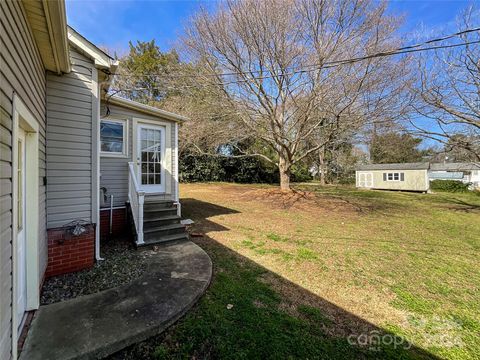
column 365, row 180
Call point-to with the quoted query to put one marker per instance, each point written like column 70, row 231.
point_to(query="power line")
column 401, row 50
column 412, row 49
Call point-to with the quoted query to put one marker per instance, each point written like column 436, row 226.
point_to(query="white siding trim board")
column 23, row 118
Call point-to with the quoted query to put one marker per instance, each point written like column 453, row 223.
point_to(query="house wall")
column 22, row 73
column 415, row 180
column 475, row 179
column 68, row 253
column 114, row 170
column 70, row 104
column 120, row 225
column 470, row 176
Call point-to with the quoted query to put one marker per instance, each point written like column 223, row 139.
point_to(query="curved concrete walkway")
column 94, row 326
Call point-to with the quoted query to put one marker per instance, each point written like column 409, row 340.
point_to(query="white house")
column 465, row 172
column 62, row 139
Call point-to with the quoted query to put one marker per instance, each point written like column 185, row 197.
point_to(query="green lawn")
column 307, row 274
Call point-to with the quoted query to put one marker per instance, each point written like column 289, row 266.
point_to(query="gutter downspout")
column 177, row 197
column 96, row 161
column 111, row 214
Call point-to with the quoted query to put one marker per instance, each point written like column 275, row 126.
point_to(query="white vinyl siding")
column 69, row 148
column 22, row 72
column 114, row 171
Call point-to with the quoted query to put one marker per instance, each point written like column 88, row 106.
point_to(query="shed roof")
column 398, row 166
column 465, row 166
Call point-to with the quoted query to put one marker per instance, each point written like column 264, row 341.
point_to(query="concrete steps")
column 161, row 223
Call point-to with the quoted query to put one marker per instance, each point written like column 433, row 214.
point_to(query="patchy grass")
column 307, row 271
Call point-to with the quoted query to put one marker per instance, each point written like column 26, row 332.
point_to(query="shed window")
column 394, row 176
column 113, row 137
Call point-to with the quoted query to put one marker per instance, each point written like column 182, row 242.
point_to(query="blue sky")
column 112, row 23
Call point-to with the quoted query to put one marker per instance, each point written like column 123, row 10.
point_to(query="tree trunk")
column 321, row 167
column 284, row 168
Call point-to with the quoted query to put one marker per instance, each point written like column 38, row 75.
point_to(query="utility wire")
column 327, row 65
column 401, row 50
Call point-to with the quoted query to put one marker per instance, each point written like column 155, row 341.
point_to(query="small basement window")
column 113, row 137
column 394, row 176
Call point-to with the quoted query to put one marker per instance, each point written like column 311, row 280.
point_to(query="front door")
column 151, row 158
column 21, row 239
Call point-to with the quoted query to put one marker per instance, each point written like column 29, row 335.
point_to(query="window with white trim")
column 396, row 176
column 113, row 137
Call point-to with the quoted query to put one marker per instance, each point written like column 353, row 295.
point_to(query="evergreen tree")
column 393, row 147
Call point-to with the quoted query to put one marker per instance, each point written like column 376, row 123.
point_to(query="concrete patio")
column 94, row 326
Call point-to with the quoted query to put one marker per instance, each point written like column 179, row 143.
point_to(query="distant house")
column 414, row 176
column 63, row 138
column 465, row 172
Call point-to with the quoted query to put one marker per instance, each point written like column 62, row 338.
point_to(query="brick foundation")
column 119, row 223
column 69, row 253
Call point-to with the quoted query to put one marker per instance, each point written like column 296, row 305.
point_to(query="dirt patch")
column 277, row 197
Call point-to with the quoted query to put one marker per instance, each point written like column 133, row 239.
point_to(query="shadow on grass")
column 201, row 211
column 457, row 204
column 249, row 312
column 362, row 201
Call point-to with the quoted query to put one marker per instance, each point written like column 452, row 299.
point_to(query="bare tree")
column 276, row 63
column 447, row 94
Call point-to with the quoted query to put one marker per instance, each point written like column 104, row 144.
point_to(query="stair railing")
column 137, row 198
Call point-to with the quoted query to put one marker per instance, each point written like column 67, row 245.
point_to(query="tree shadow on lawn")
column 456, row 204
column 249, row 312
column 360, row 200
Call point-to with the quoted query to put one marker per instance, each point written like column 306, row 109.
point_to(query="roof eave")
column 116, row 100
column 56, row 18
column 99, row 57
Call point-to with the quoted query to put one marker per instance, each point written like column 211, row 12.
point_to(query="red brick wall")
column 119, row 222
column 68, row 253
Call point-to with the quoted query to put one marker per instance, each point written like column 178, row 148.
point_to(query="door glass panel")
column 151, row 157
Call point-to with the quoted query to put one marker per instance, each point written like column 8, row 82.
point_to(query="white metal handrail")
column 137, row 199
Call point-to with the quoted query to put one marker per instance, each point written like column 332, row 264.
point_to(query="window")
column 393, row 176
column 113, row 137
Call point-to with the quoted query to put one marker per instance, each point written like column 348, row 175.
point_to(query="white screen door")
column 21, row 241
column 151, row 158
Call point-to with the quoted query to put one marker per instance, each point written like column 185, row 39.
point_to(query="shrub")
column 300, row 173
column 449, row 185
column 248, row 170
